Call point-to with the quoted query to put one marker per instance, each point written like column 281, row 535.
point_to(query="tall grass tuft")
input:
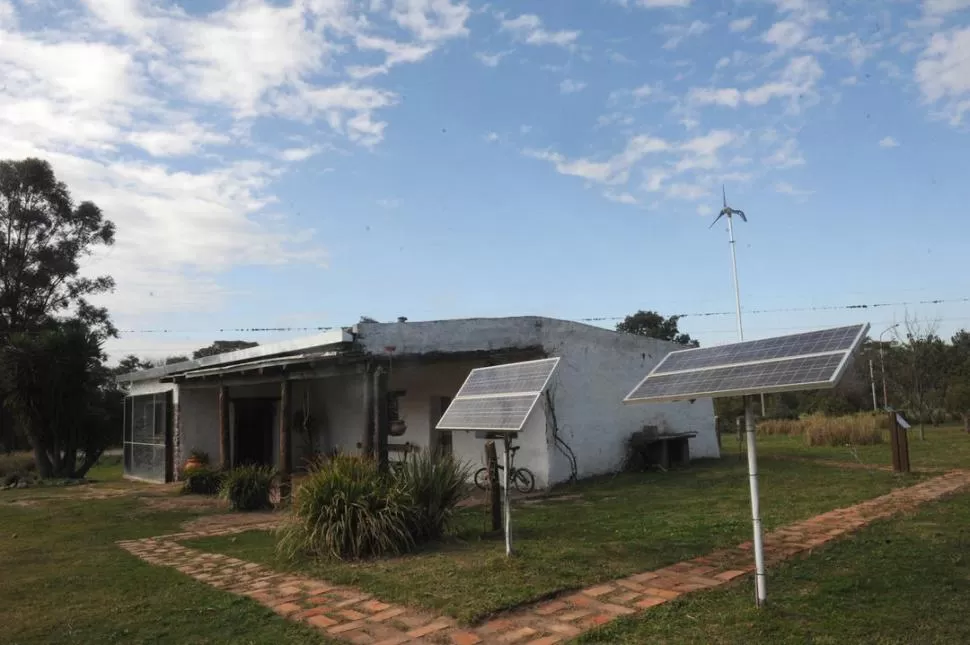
column 346, row 508
column 855, row 429
column 434, row 483
column 202, row 481
column 248, row 488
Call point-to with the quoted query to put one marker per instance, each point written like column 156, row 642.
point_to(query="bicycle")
column 522, row 478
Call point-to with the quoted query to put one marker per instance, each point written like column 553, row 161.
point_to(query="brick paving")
column 356, row 617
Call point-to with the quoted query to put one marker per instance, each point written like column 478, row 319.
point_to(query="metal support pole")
column 505, row 496
column 759, row 554
column 882, row 368
column 872, row 381
column 762, row 405
column 734, row 268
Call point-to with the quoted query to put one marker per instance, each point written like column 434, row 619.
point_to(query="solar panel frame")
column 528, row 398
column 659, row 371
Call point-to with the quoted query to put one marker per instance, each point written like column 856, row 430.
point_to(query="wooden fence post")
column 494, row 491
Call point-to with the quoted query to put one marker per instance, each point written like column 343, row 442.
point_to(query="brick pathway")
column 351, row 615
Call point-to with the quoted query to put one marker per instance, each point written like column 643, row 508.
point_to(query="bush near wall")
column 202, row 481
column 346, row 508
column 248, row 488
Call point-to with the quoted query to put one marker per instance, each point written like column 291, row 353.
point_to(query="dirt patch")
column 184, row 502
column 231, row 520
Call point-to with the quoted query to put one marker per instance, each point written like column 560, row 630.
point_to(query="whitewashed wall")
column 597, row 369
column 425, row 384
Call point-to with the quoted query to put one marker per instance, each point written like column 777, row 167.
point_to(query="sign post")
column 505, row 496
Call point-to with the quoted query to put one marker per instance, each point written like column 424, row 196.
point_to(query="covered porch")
column 286, row 411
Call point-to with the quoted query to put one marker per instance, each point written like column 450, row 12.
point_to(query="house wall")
column 598, row 368
column 199, row 423
column 425, row 384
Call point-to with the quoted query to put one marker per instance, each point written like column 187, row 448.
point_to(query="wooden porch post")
column 225, row 457
column 286, row 441
column 381, row 421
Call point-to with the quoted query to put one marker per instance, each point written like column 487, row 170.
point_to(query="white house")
column 326, row 386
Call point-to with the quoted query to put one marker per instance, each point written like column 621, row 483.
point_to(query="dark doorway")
column 254, row 431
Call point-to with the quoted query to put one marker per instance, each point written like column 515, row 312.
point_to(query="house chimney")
column 402, row 319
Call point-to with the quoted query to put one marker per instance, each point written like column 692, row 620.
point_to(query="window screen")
column 147, row 436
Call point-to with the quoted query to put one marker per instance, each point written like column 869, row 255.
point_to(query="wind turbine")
column 727, row 211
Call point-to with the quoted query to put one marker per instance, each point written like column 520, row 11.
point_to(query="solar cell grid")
column 498, row 398
column 799, row 361
column 505, row 413
column 827, row 340
column 529, row 376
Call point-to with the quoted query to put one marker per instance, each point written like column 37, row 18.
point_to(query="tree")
column 652, row 324
column 172, row 360
column 958, row 401
column 43, row 238
column 221, row 347
column 131, row 363
column 918, row 368
column 61, row 393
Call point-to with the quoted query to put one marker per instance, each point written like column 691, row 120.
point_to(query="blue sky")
column 302, row 164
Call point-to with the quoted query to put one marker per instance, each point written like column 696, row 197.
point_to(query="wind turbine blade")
column 724, row 195
column 741, row 213
column 720, row 215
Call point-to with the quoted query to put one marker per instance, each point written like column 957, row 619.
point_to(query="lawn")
column 902, row 580
column 603, row 529
column 64, row 580
column 946, row 446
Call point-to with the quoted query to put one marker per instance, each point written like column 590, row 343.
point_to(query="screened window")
column 146, row 441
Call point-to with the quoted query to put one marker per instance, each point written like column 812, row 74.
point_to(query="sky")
column 302, row 164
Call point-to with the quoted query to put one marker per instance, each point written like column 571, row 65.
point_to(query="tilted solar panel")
column 498, row 398
column 812, row 360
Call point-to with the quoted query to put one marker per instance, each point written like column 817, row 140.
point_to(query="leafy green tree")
column 44, row 236
column 958, row 401
column 221, row 347
column 132, row 363
column 652, row 324
column 172, row 360
column 60, row 391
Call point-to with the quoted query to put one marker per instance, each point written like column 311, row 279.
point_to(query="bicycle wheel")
column 524, row 481
column 481, row 478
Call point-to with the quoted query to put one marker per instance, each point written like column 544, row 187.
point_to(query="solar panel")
column 812, row 360
column 498, row 398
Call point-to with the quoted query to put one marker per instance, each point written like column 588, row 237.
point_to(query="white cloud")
column 723, row 62
column 528, row 28
column 786, row 188
column 942, row 7
column 741, row 24
column 492, row 137
column 570, row 86
column 888, row 142
column 678, row 33
column 787, row 155
column 115, row 92
column 687, row 191
column 705, row 210
column 661, row 4
column 621, row 198
column 850, row 80
column 299, row 154
column 389, row 204
column 654, row 179
column 943, row 73
column 785, row 34
column 615, row 170
column 490, row 60
column 796, row 83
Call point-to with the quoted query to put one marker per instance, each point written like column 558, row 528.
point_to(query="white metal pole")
column 759, row 547
column 734, row 267
column 505, row 497
column 872, row 381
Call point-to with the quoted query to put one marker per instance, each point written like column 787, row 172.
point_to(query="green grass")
column 946, row 446
column 903, row 580
column 63, row 580
column 619, row 526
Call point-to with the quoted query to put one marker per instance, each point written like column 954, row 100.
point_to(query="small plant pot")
column 193, row 463
column 397, row 428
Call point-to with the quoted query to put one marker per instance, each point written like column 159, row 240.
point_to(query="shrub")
column 248, row 488
column 855, row 430
column 345, row 508
column 434, row 483
column 202, row 481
